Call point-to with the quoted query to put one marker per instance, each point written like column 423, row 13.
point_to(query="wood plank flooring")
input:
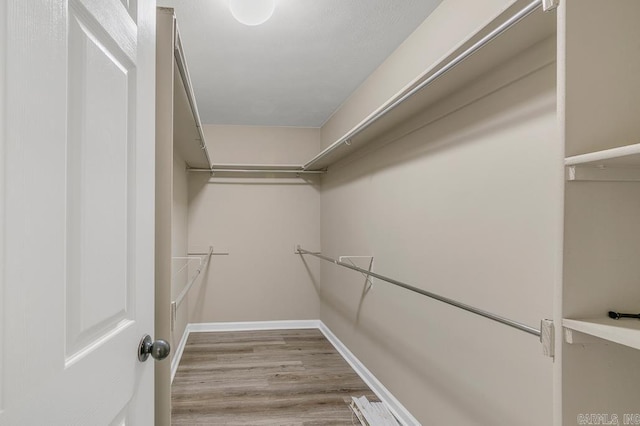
column 283, row 377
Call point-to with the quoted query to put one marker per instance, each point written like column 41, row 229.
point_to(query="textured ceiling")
column 297, row 68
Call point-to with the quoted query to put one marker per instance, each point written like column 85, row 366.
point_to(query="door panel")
column 99, row 286
column 78, row 162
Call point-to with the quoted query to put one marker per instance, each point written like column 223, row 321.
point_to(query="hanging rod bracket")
column 549, row 5
column 367, row 276
column 547, row 337
column 296, row 250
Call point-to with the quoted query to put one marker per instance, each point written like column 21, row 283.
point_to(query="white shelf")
column 624, row 331
column 188, row 136
column 531, row 30
column 615, row 164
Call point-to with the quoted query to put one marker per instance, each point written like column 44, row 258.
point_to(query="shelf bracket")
column 367, row 277
column 547, row 337
column 549, row 5
column 575, row 337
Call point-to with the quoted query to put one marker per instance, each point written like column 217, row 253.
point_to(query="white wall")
column 258, row 220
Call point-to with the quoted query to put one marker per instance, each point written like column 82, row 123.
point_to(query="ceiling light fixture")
column 252, row 12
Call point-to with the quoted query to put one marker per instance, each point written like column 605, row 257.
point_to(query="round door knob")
column 158, row 350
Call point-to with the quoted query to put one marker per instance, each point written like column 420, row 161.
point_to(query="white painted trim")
column 3, row 144
column 603, row 174
column 177, row 355
column 253, row 325
column 399, row 411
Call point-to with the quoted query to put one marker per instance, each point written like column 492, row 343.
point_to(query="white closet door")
column 77, row 211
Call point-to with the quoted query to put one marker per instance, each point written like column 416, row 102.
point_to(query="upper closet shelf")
column 510, row 33
column 615, row 164
column 623, row 156
column 187, row 130
column 624, row 331
column 273, row 169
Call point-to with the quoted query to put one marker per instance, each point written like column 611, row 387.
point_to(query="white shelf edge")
column 607, row 154
column 257, row 166
column 191, row 97
column 602, row 174
column 624, row 332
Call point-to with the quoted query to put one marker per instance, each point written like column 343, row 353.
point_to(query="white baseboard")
column 177, row 355
column 398, row 410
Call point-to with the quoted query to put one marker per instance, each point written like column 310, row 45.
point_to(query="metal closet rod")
column 469, row 308
column 346, row 139
column 207, row 254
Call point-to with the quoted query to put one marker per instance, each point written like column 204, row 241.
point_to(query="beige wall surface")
column 258, row 220
column 468, row 207
column 262, row 145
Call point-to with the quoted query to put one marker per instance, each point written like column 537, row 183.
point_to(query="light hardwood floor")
column 284, row 377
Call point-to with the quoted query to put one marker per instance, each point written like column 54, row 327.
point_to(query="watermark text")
column 609, row 419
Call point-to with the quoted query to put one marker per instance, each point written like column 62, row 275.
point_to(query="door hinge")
column 548, row 5
column 547, row 337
